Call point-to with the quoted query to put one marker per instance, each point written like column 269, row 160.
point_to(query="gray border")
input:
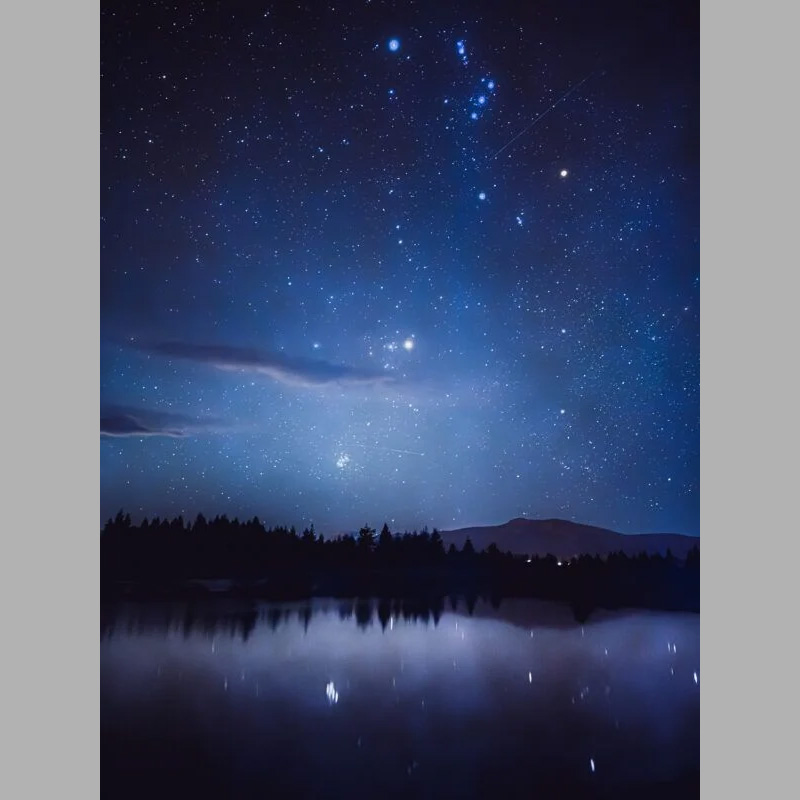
column 748, row 126
column 50, row 55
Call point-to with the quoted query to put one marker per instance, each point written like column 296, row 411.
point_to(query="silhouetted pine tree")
column 366, row 540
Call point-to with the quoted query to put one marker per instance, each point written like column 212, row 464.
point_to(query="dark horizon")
column 159, row 558
column 353, row 529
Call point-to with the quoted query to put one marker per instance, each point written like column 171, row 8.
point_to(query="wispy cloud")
column 291, row 370
column 122, row 421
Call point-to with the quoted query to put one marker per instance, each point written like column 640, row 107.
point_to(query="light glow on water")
column 449, row 671
column 331, row 693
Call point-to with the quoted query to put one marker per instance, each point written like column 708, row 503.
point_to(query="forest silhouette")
column 172, row 558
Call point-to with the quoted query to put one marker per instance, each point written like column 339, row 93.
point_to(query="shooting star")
column 545, row 113
column 389, row 449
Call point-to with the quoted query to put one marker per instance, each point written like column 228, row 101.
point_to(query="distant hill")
column 565, row 539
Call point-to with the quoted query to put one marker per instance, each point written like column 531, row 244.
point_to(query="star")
column 394, row 45
column 481, row 195
column 563, row 173
column 408, row 344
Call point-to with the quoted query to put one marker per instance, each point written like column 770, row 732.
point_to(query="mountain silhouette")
column 564, row 539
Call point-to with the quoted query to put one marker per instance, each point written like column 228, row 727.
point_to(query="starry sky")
column 424, row 263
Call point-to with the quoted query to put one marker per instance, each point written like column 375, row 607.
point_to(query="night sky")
column 424, row 263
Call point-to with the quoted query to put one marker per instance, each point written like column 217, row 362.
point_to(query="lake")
column 332, row 698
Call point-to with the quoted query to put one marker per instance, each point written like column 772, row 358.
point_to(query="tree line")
column 159, row 556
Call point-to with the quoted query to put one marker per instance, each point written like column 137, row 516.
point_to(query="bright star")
column 481, row 100
column 482, row 196
column 408, row 344
column 490, row 84
column 563, row 173
column 473, row 115
column 394, row 45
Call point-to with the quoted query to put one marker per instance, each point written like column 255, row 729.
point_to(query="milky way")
column 345, row 278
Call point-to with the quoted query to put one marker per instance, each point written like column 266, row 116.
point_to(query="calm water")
column 340, row 699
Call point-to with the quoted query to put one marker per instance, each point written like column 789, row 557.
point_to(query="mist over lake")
column 335, row 698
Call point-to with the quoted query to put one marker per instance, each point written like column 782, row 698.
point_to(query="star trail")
column 429, row 265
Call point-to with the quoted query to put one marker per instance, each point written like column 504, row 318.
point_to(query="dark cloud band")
column 286, row 369
column 121, row 421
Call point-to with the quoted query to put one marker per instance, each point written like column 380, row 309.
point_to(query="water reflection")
column 397, row 699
